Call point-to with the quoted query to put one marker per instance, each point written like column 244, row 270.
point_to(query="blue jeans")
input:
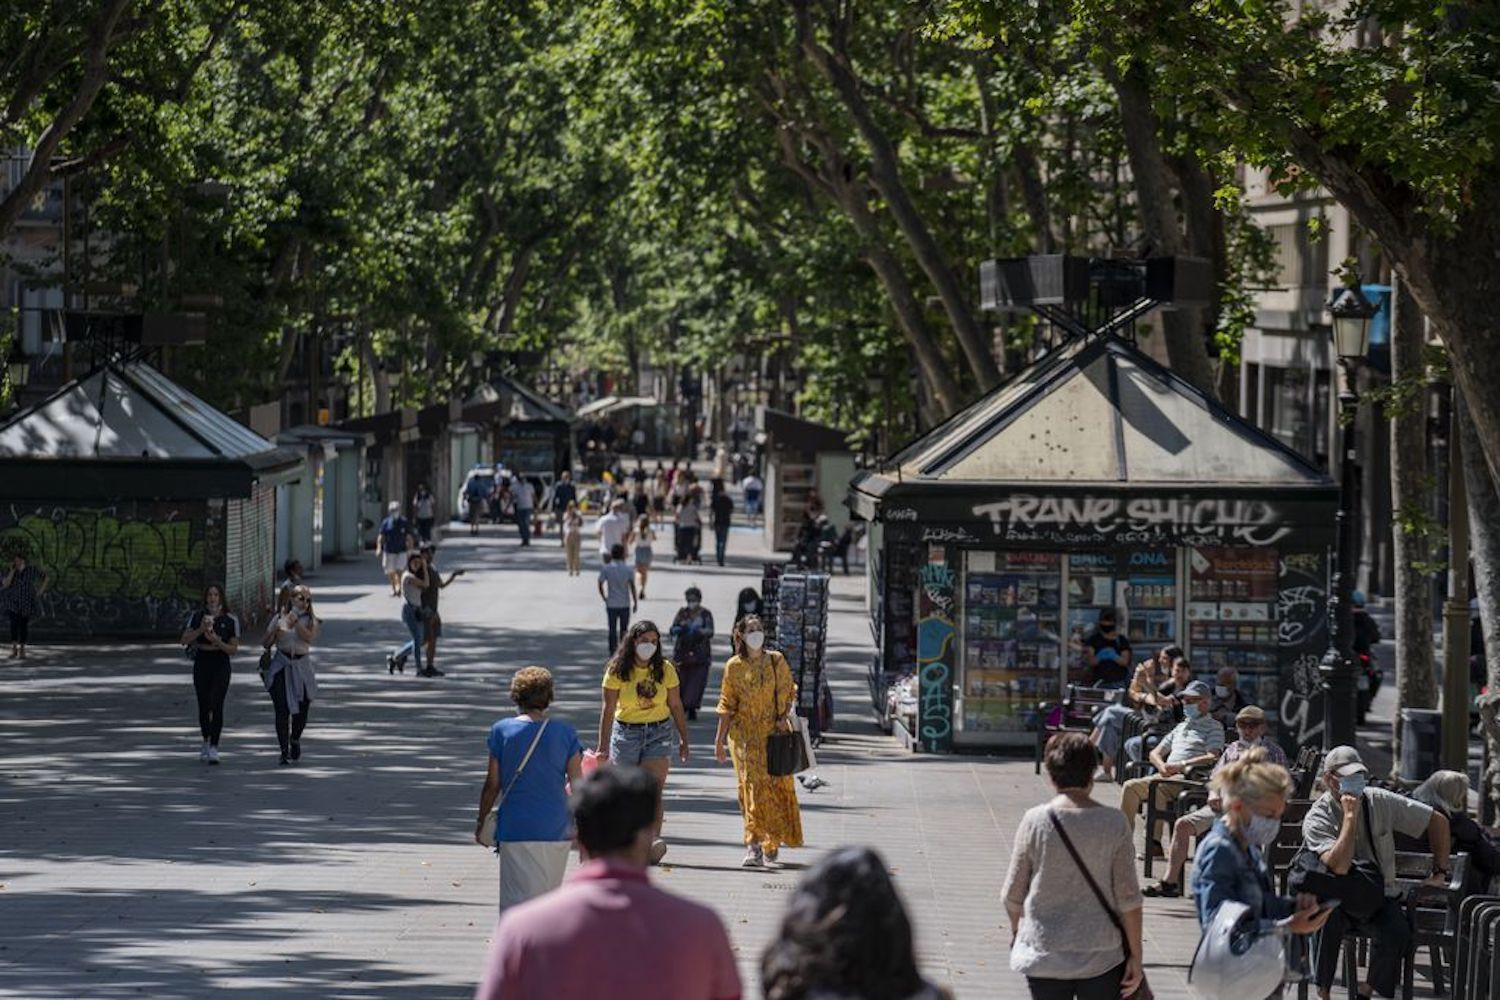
column 631, row 743
column 619, row 621
column 523, row 521
column 1135, row 748
column 1111, row 724
column 411, row 617
column 721, row 541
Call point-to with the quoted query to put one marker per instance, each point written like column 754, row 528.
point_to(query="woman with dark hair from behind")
column 213, row 635
column 845, row 934
column 1072, row 894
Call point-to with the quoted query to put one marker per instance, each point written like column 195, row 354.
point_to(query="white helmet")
column 1233, row 962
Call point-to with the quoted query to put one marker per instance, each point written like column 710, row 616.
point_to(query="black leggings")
column 288, row 726
column 20, row 625
column 1105, row 986
column 211, row 681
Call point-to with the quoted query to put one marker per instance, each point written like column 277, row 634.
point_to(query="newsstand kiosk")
column 1094, row 479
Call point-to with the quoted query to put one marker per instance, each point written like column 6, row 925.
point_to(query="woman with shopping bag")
column 755, row 697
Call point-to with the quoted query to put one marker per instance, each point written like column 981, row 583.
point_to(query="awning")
column 598, row 406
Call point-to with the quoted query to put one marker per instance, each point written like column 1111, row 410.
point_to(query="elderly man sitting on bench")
column 1196, row 742
column 1251, row 724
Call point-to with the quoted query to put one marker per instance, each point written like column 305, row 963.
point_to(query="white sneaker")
column 769, row 862
column 753, row 858
column 203, row 753
column 213, row 755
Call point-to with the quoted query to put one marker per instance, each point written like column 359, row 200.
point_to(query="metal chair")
column 1433, row 912
column 1077, row 715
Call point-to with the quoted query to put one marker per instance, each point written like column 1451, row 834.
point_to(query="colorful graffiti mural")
column 126, row 568
column 935, row 654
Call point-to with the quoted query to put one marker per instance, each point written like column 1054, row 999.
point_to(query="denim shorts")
column 631, row 743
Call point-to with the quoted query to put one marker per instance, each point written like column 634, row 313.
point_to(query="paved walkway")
column 127, row 868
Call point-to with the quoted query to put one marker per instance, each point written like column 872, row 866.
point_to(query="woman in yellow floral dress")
column 756, row 694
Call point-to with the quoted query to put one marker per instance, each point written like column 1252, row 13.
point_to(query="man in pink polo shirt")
column 659, row 946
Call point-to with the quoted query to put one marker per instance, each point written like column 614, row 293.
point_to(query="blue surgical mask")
column 1192, row 710
column 1262, row 830
column 1353, row 784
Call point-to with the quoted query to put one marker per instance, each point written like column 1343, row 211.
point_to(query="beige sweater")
column 1064, row 932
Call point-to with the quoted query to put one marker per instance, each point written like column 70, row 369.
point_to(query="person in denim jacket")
column 1231, row 863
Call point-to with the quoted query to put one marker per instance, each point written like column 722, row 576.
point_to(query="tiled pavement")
column 127, row 868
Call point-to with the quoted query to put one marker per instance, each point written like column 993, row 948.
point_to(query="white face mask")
column 1221, row 691
column 755, row 640
column 645, row 650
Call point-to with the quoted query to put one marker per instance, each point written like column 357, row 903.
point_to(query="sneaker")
column 768, row 860
column 435, row 672
column 1163, row 890
column 285, row 759
column 753, row 858
column 213, row 755
column 203, row 753
column 296, row 749
column 658, row 850
column 390, row 663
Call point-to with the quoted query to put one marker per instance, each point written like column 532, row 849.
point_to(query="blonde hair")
column 1448, row 790
column 1251, row 778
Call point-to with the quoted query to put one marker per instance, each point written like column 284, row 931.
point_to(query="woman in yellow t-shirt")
column 756, row 695
column 642, row 706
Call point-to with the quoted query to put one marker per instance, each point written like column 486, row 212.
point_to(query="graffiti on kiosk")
column 937, row 711
column 948, row 535
column 106, row 567
column 1301, row 713
column 937, row 583
column 1250, row 522
column 901, row 514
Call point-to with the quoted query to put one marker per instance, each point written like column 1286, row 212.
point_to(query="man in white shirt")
column 613, row 528
column 753, row 488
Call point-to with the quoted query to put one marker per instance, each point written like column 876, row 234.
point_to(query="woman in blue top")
column 531, row 760
column 1231, row 864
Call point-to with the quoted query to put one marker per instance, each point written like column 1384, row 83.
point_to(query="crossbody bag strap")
column 524, row 760
column 1114, row 917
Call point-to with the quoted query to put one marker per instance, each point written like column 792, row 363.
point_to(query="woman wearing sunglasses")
column 642, row 712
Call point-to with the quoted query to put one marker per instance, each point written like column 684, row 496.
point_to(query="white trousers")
column 529, row 868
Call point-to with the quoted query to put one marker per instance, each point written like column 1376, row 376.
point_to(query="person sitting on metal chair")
column 1195, row 743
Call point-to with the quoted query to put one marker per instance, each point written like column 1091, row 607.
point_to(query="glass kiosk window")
column 1011, row 636
column 1091, row 589
column 1150, row 604
column 1232, row 615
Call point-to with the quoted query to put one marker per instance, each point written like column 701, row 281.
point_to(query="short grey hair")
column 1446, row 790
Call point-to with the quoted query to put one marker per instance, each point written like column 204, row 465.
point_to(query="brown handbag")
column 1143, row 991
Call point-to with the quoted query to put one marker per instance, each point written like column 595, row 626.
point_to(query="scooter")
column 1370, row 678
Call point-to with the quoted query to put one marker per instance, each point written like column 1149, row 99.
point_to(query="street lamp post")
column 1351, row 313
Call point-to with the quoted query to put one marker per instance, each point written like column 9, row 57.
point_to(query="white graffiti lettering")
column 948, row 535
column 1251, row 522
column 901, row 514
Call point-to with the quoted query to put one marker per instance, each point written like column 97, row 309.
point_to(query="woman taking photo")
column 414, row 582
column 755, row 697
column 643, row 536
column 642, row 708
column 213, row 635
column 1071, row 893
column 20, row 593
column 532, row 758
column 1143, row 696
column 290, row 679
column 692, row 652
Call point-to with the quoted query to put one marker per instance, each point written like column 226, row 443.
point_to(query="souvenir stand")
column 796, row 616
column 1094, row 479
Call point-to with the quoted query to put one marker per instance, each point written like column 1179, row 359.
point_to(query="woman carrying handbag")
column 523, row 807
column 755, row 697
column 1072, row 894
